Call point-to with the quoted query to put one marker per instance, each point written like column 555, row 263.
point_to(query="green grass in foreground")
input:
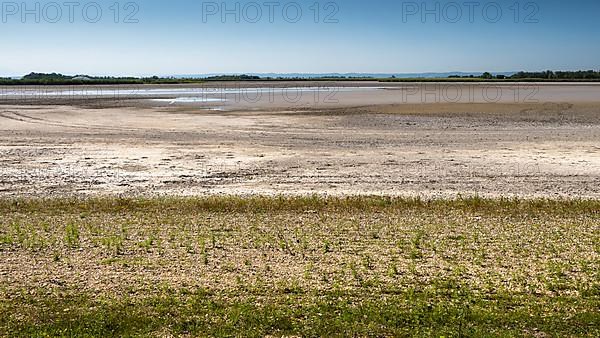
column 444, row 310
column 309, row 266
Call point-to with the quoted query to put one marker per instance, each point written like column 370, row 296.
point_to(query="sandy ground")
column 429, row 140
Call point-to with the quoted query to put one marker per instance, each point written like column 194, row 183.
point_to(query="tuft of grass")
column 147, row 243
column 72, row 235
column 114, row 244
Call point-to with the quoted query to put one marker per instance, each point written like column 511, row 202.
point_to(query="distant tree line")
column 60, row 79
column 242, row 77
column 559, row 75
column 545, row 75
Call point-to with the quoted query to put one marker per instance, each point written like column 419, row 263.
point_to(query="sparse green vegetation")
column 72, row 235
column 307, row 266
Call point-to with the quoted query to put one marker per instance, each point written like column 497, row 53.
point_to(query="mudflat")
column 298, row 138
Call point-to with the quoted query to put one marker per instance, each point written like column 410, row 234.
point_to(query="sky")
column 176, row 37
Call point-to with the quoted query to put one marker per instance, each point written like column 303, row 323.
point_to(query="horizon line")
column 301, row 74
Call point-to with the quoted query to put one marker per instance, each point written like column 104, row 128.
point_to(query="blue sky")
column 378, row 36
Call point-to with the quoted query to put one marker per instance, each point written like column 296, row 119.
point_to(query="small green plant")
column 147, row 243
column 415, row 253
column 213, row 241
column 6, row 239
column 114, row 244
column 418, row 238
column 392, row 270
column 72, row 235
column 203, row 251
column 308, row 271
column 326, row 246
column 355, row 272
column 19, row 235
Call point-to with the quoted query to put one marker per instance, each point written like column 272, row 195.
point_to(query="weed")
column 72, row 235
